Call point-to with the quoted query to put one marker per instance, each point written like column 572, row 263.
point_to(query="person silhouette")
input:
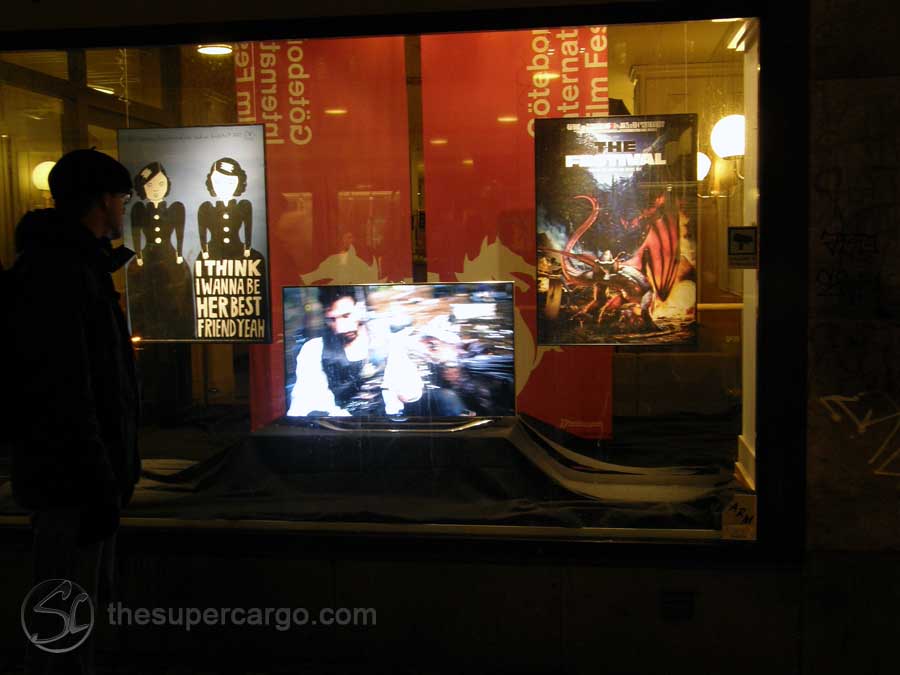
column 72, row 369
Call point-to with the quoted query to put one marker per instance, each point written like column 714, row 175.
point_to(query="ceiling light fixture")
column 215, row 49
column 103, row 90
column 335, row 111
column 737, row 40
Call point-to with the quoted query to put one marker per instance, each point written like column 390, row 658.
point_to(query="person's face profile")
column 342, row 318
column 114, row 210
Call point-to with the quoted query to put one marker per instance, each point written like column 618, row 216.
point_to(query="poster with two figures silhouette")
column 197, row 224
column 616, row 229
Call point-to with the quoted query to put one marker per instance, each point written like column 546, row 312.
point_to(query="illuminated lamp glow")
column 41, row 174
column 738, row 18
column 214, row 50
column 136, row 338
column 738, row 37
column 703, row 165
column 335, row 111
column 438, row 141
column 469, row 162
column 103, row 90
column 507, row 119
column 727, row 138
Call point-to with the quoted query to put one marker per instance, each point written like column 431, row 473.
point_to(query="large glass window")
column 508, row 277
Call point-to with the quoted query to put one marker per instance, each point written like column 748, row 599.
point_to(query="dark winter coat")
column 76, row 393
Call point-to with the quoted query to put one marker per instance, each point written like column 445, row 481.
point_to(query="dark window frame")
column 783, row 285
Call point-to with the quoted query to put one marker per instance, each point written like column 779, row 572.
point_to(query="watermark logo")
column 57, row 616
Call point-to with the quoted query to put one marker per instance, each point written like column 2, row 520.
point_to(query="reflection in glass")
column 30, row 134
column 53, row 63
column 134, row 74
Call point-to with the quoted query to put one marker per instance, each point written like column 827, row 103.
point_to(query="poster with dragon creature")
column 616, row 230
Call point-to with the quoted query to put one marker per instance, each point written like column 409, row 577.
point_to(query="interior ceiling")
column 629, row 45
column 104, row 65
column 49, row 62
column 671, row 43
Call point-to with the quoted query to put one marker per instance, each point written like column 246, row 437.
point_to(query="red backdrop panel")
column 480, row 95
column 337, row 173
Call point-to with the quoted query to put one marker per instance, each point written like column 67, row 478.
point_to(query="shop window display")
column 566, row 278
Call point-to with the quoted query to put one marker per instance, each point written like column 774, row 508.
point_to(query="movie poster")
column 616, row 230
column 197, row 224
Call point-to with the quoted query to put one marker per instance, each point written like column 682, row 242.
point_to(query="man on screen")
column 350, row 370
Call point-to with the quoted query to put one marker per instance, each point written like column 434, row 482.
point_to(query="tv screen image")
column 400, row 350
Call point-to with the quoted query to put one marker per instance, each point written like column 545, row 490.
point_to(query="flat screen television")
column 440, row 351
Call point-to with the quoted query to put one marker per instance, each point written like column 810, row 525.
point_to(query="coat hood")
column 38, row 229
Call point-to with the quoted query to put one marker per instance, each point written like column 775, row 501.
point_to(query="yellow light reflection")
column 214, row 50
